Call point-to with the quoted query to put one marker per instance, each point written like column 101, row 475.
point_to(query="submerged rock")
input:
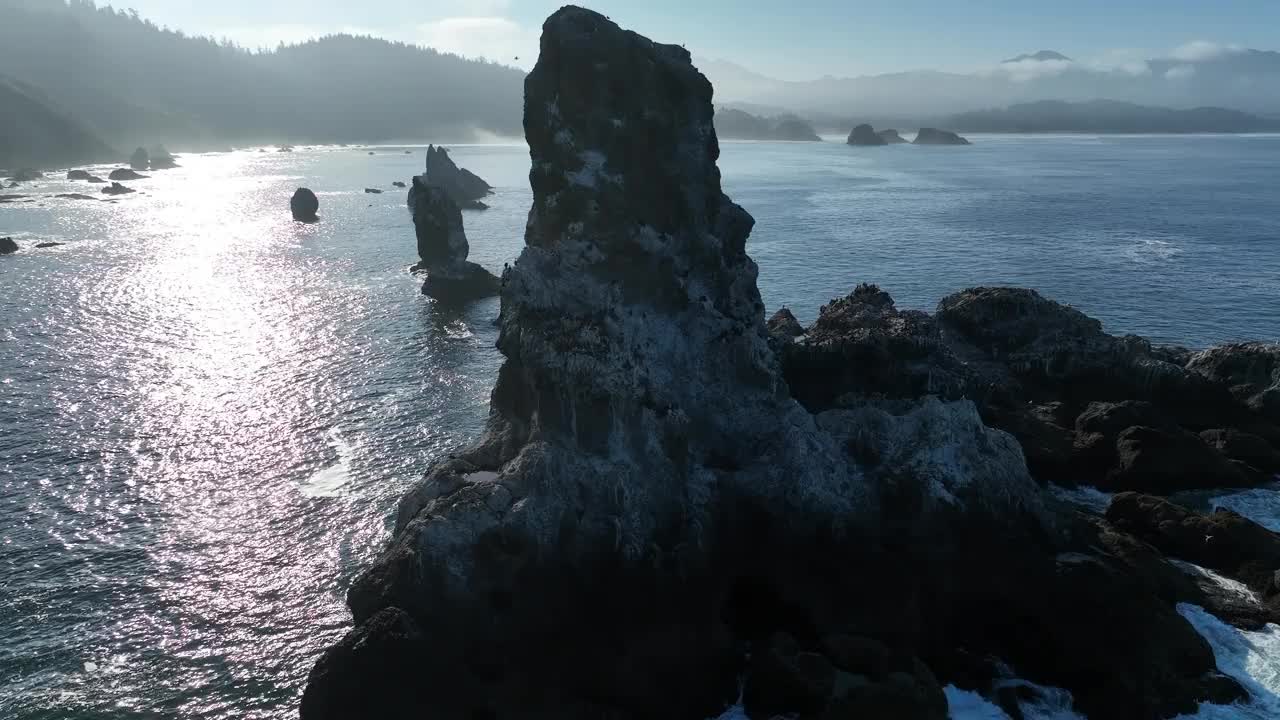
column 8, row 246
column 372, row 191
column 116, row 188
column 75, row 196
column 463, row 186
column 934, row 136
column 125, row 174
column 94, row 179
column 865, row 135
column 443, row 248
column 140, row 160
column 50, row 244
column 78, row 175
column 891, row 137
column 398, row 184
column 304, row 205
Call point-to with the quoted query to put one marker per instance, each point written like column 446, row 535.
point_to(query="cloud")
column 1201, row 50
column 493, row 38
column 1126, row 61
column 1180, row 72
column 1028, row 70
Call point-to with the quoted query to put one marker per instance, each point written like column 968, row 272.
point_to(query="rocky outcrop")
column 891, row 137
column 116, row 188
column 1250, row 450
column 1044, row 372
column 1250, row 370
column 95, row 180
column 443, row 248
column 1222, row 540
column 161, row 159
column 304, row 205
column 934, row 136
column 372, row 191
column 865, row 135
column 398, row 184
column 139, row 160
column 649, row 507
column 75, row 196
column 8, row 246
column 784, row 326
column 125, row 174
column 463, row 186
column 78, row 175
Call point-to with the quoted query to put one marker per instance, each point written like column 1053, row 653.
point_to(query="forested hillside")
column 134, row 83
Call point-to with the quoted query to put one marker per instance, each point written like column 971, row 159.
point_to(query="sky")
column 795, row 40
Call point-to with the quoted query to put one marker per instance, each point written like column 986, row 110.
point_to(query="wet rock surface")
column 8, row 246
column 125, row 174
column 116, row 188
column 652, row 518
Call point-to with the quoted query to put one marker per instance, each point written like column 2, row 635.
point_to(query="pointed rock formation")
column 8, row 246
column 161, row 159
column 140, row 160
column 116, row 188
column 463, row 186
column 443, row 248
column 649, row 503
column 865, row 135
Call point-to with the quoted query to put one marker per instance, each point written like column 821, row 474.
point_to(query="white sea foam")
column 330, row 481
column 1261, row 505
column 1251, row 657
column 1090, row 498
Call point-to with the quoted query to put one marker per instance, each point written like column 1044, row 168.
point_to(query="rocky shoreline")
column 676, row 504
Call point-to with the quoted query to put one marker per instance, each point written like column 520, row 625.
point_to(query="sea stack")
column 443, row 248
column 304, row 205
column 465, row 187
column 934, row 136
column 161, row 159
column 891, row 137
column 631, row 519
column 865, row 135
column 140, row 160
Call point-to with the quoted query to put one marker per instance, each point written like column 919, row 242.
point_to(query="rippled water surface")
column 207, row 411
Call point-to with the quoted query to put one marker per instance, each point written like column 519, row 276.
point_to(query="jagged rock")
column 891, row 137
column 865, row 135
column 1247, row 448
column 1250, row 370
column 125, row 174
column 372, row 191
column 139, row 160
column 161, row 159
column 8, row 246
column 934, row 136
column 648, row 499
column 863, row 345
column 1169, row 461
column 1223, row 541
column 116, row 188
column 463, row 186
column 784, row 326
column 304, row 205
column 25, row 175
column 78, row 175
column 443, row 248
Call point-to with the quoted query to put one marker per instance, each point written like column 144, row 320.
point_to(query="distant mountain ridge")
column 1041, row 56
column 733, row 124
column 1248, row 80
column 1108, row 116
column 35, row 132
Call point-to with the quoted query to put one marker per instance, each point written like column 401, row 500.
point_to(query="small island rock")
column 934, row 136
column 304, row 205
column 864, row 134
column 891, row 137
column 125, row 174
column 116, row 188
column 140, row 160
column 8, row 246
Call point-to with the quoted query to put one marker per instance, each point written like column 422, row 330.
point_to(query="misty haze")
column 710, row 361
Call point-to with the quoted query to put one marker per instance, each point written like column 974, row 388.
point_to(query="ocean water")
column 208, row 412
